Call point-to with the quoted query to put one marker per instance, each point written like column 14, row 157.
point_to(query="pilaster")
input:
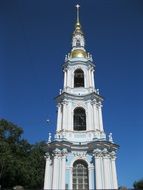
column 48, row 173
column 86, row 78
column 59, row 117
column 89, row 116
column 68, row 78
column 100, row 116
column 89, row 77
column 71, row 178
column 91, row 177
column 70, row 116
column 98, row 169
column 107, row 172
column 92, row 75
column 64, row 123
column 114, row 172
column 65, row 78
column 56, row 176
column 63, row 169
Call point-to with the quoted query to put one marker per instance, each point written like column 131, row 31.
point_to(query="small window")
column 79, row 119
column 78, row 78
column 78, row 43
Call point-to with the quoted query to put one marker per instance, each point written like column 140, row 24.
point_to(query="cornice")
column 103, row 145
column 78, row 62
column 91, row 96
column 64, row 147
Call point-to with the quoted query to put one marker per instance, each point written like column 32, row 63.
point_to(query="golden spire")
column 77, row 13
column 77, row 26
column 78, row 42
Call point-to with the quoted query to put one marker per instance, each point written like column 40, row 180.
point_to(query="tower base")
column 80, row 165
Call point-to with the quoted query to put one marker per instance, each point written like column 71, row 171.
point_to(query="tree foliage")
column 20, row 162
column 122, row 188
column 138, row 184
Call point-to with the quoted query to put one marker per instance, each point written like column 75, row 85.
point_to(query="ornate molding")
column 80, row 154
column 58, row 105
column 113, row 155
column 93, row 102
column 104, row 153
column 65, row 102
column 79, row 104
column 47, row 155
column 64, row 152
column 97, row 153
column 57, row 152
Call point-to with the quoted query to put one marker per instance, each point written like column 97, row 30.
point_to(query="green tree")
column 37, row 161
column 20, row 162
column 138, row 184
column 10, row 136
column 122, row 188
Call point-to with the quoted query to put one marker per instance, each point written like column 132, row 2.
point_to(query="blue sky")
column 34, row 38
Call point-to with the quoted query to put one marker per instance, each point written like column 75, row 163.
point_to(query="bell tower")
column 80, row 156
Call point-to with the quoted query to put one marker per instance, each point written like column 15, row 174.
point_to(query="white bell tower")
column 80, row 156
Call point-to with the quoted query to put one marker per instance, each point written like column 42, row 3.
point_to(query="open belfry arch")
column 80, row 156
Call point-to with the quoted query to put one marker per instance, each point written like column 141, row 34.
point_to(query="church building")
column 81, row 156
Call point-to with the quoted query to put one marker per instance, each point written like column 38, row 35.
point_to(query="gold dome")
column 78, row 53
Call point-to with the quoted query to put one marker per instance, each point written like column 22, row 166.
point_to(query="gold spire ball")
column 78, row 53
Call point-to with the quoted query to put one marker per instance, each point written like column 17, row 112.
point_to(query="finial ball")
column 77, row 6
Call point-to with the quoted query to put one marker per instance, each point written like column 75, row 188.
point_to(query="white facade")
column 80, row 156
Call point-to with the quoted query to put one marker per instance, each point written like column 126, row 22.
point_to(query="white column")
column 65, row 78
column 55, row 170
column 92, row 116
column 91, row 177
column 96, row 123
column 59, row 118
column 48, row 173
column 100, row 117
column 98, row 170
column 69, row 123
column 92, row 75
column 72, row 120
column 64, row 116
column 63, row 167
column 70, row 75
column 71, row 178
column 89, row 118
column 59, row 171
column 114, row 173
column 86, row 78
column 68, row 78
column 72, row 79
column 107, row 172
column 89, row 77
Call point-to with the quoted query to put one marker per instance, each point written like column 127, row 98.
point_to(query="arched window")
column 78, row 43
column 79, row 119
column 80, row 175
column 78, row 78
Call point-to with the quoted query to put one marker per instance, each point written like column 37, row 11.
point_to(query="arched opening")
column 80, row 175
column 79, row 119
column 78, row 78
column 78, row 43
